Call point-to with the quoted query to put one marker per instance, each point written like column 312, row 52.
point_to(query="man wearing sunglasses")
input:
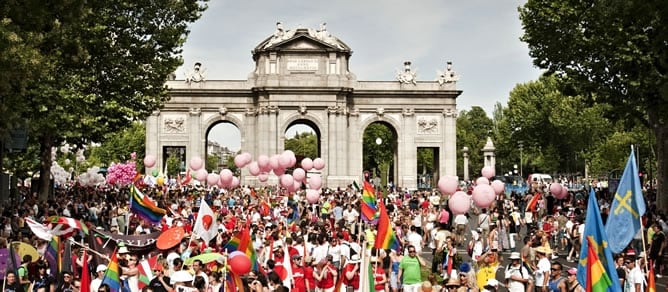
column 409, row 270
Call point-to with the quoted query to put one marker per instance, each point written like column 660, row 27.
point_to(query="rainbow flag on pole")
column 597, row 279
column 111, row 276
column 386, row 239
column 368, row 204
column 52, row 255
column 242, row 242
column 145, row 207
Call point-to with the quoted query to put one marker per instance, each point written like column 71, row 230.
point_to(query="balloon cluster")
column 225, row 179
column 483, row 195
column 278, row 163
column 91, row 177
column 558, row 190
column 60, row 175
column 121, row 173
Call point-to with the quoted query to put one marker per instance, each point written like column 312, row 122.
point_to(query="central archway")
column 302, row 137
column 379, row 153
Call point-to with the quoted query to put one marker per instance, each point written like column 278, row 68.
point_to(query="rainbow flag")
column 52, row 255
column 368, row 204
column 144, row 207
column 651, row 282
column 111, row 276
column 242, row 242
column 597, row 279
column 386, row 239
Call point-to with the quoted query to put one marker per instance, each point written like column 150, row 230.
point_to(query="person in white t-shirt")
column 542, row 272
column 415, row 239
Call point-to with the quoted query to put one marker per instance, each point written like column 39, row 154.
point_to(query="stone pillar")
column 331, row 161
column 407, row 173
column 465, row 154
column 489, row 153
column 195, row 138
column 449, row 152
column 152, row 138
column 274, row 134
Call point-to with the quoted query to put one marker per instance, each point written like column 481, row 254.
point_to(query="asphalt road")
column 661, row 283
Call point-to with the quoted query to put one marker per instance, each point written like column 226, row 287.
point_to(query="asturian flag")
column 206, row 226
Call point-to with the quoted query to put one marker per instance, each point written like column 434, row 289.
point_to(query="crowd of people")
column 324, row 243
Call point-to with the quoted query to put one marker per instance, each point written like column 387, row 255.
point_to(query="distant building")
column 213, row 148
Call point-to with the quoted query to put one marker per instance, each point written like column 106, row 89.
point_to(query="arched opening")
column 379, row 154
column 223, row 142
column 303, row 138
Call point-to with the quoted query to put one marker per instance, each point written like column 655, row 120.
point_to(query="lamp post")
column 521, row 146
column 465, row 154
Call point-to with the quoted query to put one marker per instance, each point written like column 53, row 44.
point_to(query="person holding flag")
column 628, row 206
column 595, row 267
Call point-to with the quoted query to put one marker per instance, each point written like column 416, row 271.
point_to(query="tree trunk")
column 46, row 142
column 661, row 134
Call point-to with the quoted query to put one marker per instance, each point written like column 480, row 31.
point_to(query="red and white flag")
column 206, row 226
column 40, row 230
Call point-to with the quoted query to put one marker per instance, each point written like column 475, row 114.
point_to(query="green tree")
column 212, row 161
column 425, row 160
column 473, row 128
column 379, row 157
column 303, row 144
column 118, row 146
column 173, row 164
column 96, row 66
column 612, row 52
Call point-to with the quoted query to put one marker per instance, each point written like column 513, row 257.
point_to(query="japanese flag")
column 205, row 225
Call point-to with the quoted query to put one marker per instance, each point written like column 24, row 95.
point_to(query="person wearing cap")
column 557, row 282
column 492, row 285
column 160, row 281
column 572, row 284
column 351, row 275
column 516, row 275
column 542, row 272
column 99, row 272
column 298, row 281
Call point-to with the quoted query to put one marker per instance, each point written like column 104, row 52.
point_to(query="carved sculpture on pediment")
column 280, row 34
column 427, row 125
column 408, row 76
column 197, row 74
column 407, row 112
column 174, row 125
column 447, row 76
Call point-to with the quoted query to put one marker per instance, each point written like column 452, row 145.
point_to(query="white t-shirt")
column 320, row 252
column 350, row 216
column 542, row 271
column 516, row 286
column 461, row 219
column 415, row 240
column 632, row 278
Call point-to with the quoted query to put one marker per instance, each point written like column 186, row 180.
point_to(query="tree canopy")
column 82, row 69
column 610, row 51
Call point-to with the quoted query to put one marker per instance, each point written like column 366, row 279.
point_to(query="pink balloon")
column 293, row 159
column 254, row 168
column 488, row 172
column 240, row 160
column 201, row 175
column 226, row 176
column 263, row 177
column 212, row 179
column 447, row 185
column 482, row 181
column 498, row 187
column 459, row 203
column 564, row 192
column 247, row 157
column 315, row 182
column 295, row 186
column 196, row 163
column 273, row 161
column 307, row 164
column 279, row 171
column 312, row 196
column 149, row 161
column 483, row 195
column 284, row 160
column 318, row 163
column 287, row 180
column 555, row 188
column 561, row 194
column 263, row 162
column 221, row 184
column 299, row 174
column 235, row 182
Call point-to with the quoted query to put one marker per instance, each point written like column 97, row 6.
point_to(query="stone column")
column 152, row 137
column 274, row 134
column 332, row 159
column 407, row 174
column 465, row 154
column 449, row 147
column 196, row 140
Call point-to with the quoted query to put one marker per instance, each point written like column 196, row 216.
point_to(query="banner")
column 105, row 242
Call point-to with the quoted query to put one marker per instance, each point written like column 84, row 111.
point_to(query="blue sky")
column 481, row 38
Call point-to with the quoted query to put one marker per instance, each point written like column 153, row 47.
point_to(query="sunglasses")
column 553, row 269
column 411, row 251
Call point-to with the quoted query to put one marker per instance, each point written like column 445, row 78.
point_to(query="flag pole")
column 127, row 224
column 644, row 248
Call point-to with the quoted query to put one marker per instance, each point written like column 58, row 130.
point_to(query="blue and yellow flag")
column 594, row 233
column 628, row 206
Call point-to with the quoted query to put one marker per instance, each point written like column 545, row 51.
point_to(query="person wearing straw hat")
column 542, row 273
column 452, row 285
column 516, row 275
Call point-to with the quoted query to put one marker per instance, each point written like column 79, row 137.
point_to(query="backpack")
column 352, row 250
column 522, row 267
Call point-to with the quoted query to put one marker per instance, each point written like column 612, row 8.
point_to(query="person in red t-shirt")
column 379, row 276
column 309, row 274
column 351, row 275
column 298, row 280
column 325, row 274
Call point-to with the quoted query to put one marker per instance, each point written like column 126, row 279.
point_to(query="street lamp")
column 521, row 146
